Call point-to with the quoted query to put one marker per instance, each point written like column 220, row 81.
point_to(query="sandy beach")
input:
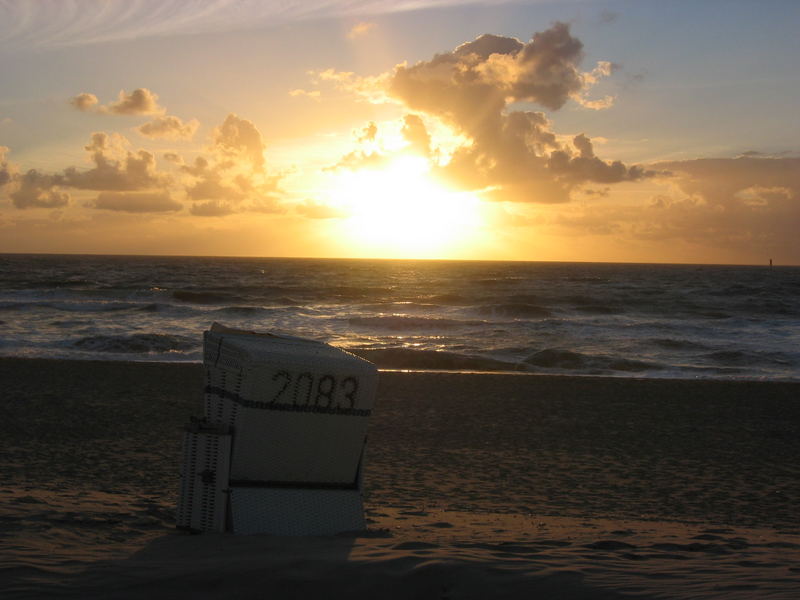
column 477, row 486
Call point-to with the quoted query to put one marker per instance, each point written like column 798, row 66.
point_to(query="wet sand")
column 477, row 485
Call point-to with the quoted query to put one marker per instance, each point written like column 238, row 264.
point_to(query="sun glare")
column 401, row 211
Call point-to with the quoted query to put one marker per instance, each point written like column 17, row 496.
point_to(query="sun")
column 403, row 212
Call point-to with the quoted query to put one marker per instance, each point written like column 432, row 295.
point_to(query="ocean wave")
column 732, row 358
column 558, row 358
column 284, row 301
column 250, row 311
column 741, row 358
column 515, row 310
column 598, row 309
column 74, row 307
column 167, row 308
column 394, row 306
column 205, row 297
column 406, row 358
column 738, row 289
column 624, row 320
column 404, row 323
column 525, row 298
column 345, row 292
column 137, row 343
column 93, row 306
column 713, row 314
column 152, row 307
column 240, row 310
column 70, row 323
column 14, row 305
column 59, row 283
column 493, row 282
column 677, row 344
column 280, row 296
column 447, row 299
column 586, row 279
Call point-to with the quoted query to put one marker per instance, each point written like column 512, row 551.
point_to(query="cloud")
column 603, row 69
column 475, row 81
column 239, row 139
column 229, row 177
column 416, row 134
column 84, row 102
column 317, row 210
column 5, row 167
column 213, row 183
column 509, row 155
column 747, row 205
column 169, row 128
column 173, row 157
column 368, row 155
column 212, row 208
column 116, row 169
column 140, row 101
column 371, row 89
column 32, row 189
column 359, row 159
column 719, row 180
column 27, row 24
column 136, row 202
column 223, row 208
column 127, row 181
column 232, row 176
column 586, row 167
column 360, row 29
column 38, row 190
column 368, row 133
column 300, row 93
column 268, row 203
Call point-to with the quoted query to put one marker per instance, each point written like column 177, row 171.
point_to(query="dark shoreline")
column 464, row 365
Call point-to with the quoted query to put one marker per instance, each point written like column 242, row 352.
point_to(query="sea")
column 624, row 320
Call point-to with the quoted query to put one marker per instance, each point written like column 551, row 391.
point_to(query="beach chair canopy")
column 298, row 408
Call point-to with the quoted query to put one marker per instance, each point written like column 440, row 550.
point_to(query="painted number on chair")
column 307, row 389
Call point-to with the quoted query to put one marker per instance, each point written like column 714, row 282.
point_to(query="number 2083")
column 314, row 390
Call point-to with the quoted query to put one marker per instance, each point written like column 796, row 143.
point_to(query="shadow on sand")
column 226, row 566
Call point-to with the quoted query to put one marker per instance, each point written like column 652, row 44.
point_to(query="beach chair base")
column 203, row 499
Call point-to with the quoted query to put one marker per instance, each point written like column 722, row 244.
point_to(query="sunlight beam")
column 401, row 211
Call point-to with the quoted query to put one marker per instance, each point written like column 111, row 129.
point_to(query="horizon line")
column 768, row 264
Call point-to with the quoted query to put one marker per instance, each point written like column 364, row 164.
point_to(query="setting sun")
column 401, row 210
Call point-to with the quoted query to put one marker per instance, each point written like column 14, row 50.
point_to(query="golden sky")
column 588, row 131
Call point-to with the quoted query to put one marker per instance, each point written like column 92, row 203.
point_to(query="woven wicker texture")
column 202, row 504
column 298, row 407
column 298, row 412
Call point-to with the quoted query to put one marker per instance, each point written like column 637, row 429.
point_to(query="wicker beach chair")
column 292, row 415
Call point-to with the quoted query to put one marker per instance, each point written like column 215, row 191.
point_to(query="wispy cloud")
column 300, row 93
column 360, row 29
column 80, row 22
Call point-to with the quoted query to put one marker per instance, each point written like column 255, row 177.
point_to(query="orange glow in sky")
column 401, row 211
column 584, row 131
